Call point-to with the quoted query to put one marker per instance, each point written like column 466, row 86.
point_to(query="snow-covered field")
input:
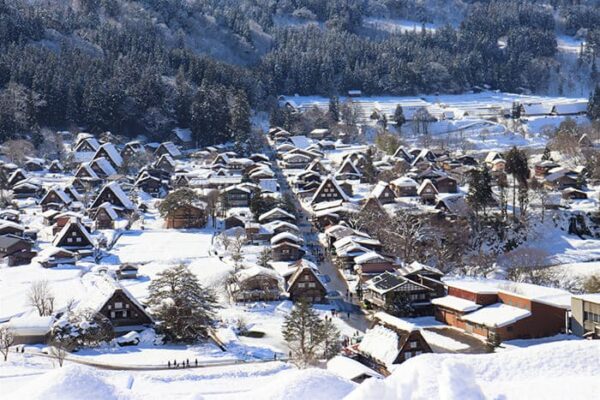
column 469, row 120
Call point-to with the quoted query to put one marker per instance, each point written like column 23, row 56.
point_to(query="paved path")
column 162, row 367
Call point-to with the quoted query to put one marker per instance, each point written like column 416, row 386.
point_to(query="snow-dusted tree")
column 540, row 192
column 235, row 249
column 40, row 296
column 175, row 200
column 184, row 308
column 399, row 117
column 264, row 257
column 400, row 305
column 403, row 235
column 480, row 190
column 592, row 284
column 303, row 331
column 516, row 165
column 82, row 328
column 6, row 340
column 331, row 339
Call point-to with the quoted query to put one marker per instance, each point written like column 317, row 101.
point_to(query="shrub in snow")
column 84, row 328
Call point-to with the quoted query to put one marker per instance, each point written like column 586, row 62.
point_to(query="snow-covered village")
column 246, row 216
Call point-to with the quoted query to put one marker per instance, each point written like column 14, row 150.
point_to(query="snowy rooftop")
column 380, row 343
column 350, row 369
column 497, row 315
column 552, row 296
column 456, row 303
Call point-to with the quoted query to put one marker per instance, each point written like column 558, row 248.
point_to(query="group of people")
column 183, row 364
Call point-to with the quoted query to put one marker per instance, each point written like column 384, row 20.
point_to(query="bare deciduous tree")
column 40, row 296
column 6, row 340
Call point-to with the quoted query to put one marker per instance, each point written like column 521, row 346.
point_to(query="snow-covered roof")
column 105, row 166
column 531, row 109
column 542, row 294
column 405, row 181
column 395, row 322
column 592, row 298
column 59, row 237
column 350, row 369
column 257, row 270
column 381, row 344
column 286, row 236
column 112, row 152
column 87, row 166
column 301, row 142
column 579, row 107
column 275, row 211
column 379, row 188
column 65, row 198
column 31, row 325
column 100, row 288
column 371, row 255
column 120, row 194
column 110, row 210
column 497, row 315
column 171, row 149
column 185, row 135
column 424, row 184
column 268, row 185
column 416, row 266
column 456, row 303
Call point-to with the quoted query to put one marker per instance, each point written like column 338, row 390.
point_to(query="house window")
column 413, row 344
column 301, row 285
column 73, row 233
column 312, row 285
column 78, row 240
column 118, row 304
column 69, row 240
column 407, row 355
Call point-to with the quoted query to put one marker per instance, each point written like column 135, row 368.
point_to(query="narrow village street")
column 336, row 285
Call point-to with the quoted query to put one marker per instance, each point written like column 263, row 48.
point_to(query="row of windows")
column 590, row 316
column 310, row 285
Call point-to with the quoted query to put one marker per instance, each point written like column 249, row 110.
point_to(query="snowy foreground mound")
column 562, row 370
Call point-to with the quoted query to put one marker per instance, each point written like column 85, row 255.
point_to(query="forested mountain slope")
column 146, row 66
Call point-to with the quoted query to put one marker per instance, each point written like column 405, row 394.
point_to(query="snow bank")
column 548, row 371
column 70, row 383
column 314, row 384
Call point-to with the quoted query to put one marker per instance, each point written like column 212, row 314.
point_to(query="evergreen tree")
column 480, row 189
column 240, row 126
column 516, row 165
column 183, row 100
column 175, row 200
column 369, row 171
column 593, row 110
column 185, row 310
column 399, row 117
column 400, row 305
column 331, row 341
column 334, row 109
column 547, row 156
column 304, row 333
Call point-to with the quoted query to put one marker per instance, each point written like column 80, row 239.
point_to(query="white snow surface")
column 549, row 371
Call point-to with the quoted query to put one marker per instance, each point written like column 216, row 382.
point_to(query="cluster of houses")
column 333, row 183
column 425, row 182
